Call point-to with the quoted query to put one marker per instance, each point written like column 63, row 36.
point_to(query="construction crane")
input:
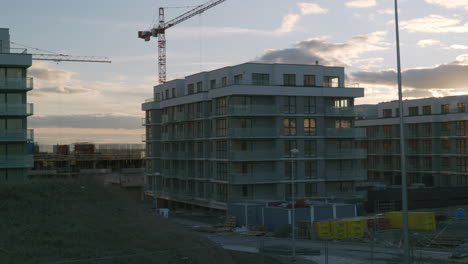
column 58, row 57
column 160, row 32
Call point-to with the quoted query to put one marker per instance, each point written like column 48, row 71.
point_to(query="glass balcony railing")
column 346, row 175
column 16, row 84
column 252, row 178
column 341, row 111
column 11, row 135
column 334, row 153
column 253, row 132
column 253, row 155
column 346, row 132
column 16, row 109
column 16, row 161
column 253, row 109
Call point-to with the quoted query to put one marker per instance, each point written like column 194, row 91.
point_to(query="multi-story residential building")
column 436, row 131
column 226, row 135
column 14, row 110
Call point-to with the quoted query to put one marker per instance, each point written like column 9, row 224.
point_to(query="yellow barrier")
column 341, row 229
column 416, row 220
column 323, row 230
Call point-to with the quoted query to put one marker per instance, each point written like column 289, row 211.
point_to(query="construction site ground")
column 442, row 245
column 85, row 222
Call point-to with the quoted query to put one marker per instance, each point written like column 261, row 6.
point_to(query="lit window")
column 309, row 127
column 289, row 125
column 331, row 81
column 445, row 108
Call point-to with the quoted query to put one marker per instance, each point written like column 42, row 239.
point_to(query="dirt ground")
column 85, row 222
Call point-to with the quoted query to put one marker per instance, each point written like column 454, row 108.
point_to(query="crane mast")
column 160, row 32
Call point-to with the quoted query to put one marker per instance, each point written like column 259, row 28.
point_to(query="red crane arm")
column 196, row 11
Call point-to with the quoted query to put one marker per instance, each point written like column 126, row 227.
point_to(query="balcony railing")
column 16, row 84
column 346, row 175
column 16, row 161
column 335, row 153
column 253, row 109
column 252, row 178
column 16, row 109
column 341, row 111
column 253, row 132
column 346, row 132
column 11, row 135
column 253, row 155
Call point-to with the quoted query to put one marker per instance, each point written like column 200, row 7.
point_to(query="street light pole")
column 404, row 188
column 293, row 202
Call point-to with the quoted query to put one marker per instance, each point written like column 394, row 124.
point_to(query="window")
column 289, row 104
column 289, row 79
column 310, row 189
column 340, row 103
column 345, row 165
column 397, row 111
column 310, row 148
column 221, row 105
column 221, row 149
column 310, row 167
column 167, row 94
column 200, row 147
column 462, row 146
column 221, row 127
column 289, row 125
column 445, row 128
column 221, row 171
column 462, row 128
column 309, row 80
column 191, row 88
column 224, row 82
column 427, row 146
column 260, row 79
column 426, row 110
column 246, row 167
column 157, row 97
column 387, row 113
column 246, row 146
column 342, row 123
column 445, row 109
column 288, row 145
column 462, row 164
column 309, row 105
column 287, row 170
column 309, row 127
column 413, row 111
column 426, row 129
column 238, row 79
column 461, row 107
column 200, row 129
column 199, row 109
column 246, row 123
column 331, row 81
column 213, row 84
column 199, row 87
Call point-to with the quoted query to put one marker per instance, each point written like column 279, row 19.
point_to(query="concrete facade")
column 225, row 135
column 436, row 130
column 14, row 110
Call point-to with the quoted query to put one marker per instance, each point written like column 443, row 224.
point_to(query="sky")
column 101, row 103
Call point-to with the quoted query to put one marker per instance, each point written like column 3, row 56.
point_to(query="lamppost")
column 293, row 151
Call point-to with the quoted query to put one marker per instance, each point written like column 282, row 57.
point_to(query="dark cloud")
column 86, row 121
column 332, row 54
column 453, row 75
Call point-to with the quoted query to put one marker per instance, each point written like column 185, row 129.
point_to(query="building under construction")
column 114, row 163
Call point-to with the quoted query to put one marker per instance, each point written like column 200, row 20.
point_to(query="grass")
column 66, row 221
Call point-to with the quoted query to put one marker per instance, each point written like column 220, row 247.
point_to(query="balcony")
column 334, row 153
column 16, row 84
column 253, row 132
column 252, row 178
column 253, row 155
column 346, row 175
column 253, row 110
column 14, row 135
column 16, row 161
column 16, row 109
column 346, row 132
column 341, row 111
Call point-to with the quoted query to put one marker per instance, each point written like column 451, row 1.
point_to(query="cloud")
column 457, row 47
column 288, row 23
column 310, row 8
column 387, row 11
column 450, row 3
column 338, row 54
column 434, row 24
column 427, row 43
column 86, row 121
column 453, row 75
column 361, row 3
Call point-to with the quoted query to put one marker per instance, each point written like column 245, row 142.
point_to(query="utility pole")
column 404, row 187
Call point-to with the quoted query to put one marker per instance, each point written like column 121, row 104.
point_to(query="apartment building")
column 436, row 131
column 14, row 110
column 226, row 136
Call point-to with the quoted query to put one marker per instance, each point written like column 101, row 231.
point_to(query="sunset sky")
column 101, row 103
